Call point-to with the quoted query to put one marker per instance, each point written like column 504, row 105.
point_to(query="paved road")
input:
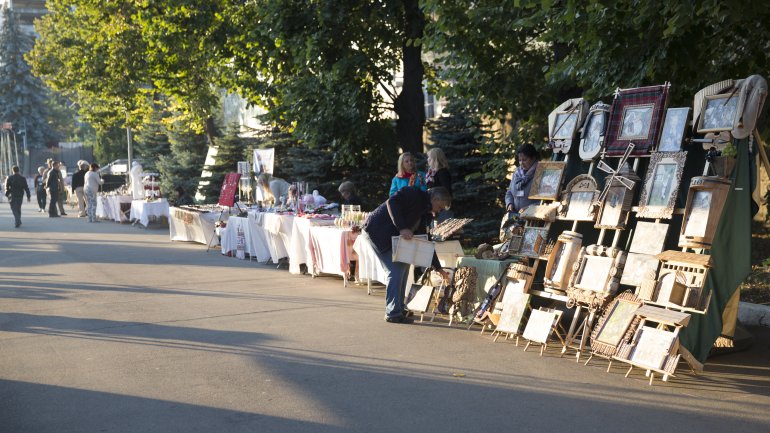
column 113, row 328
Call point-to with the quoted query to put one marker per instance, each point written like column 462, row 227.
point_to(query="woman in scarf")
column 516, row 198
column 407, row 174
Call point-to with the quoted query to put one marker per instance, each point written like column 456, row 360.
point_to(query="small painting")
column 533, row 240
column 673, row 129
column 619, row 319
column 594, row 133
column 652, row 347
column 580, row 205
column 719, row 114
column 564, row 128
column 637, row 268
column 596, row 273
column 636, row 122
column 649, row 238
column 612, row 211
column 547, row 181
column 698, row 216
column 661, row 185
column 513, row 312
column 540, row 325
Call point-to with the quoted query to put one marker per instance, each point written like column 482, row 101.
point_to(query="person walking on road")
column 78, row 180
column 15, row 187
column 91, row 183
column 53, row 183
column 40, row 188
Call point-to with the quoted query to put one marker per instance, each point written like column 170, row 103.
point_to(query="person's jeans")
column 395, row 282
column 41, row 198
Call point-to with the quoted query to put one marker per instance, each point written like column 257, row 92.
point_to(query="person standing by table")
column 348, row 192
column 404, row 214
column 407, row 174
column 39, row 184
column 91, row 182
column 78, row 180
column 15, row 187
column 517, row 196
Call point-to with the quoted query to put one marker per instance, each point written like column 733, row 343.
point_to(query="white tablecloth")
column 278, row 230
column 190, row 226
column 254, row 235
column 108, row 207
column 369, row 266
column 142, row 210
column 329, row 252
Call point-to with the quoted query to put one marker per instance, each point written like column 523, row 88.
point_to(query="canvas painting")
column 617, row 323
column 637, row 268
column 636, row 122
column 673, row 129
column 513, row 313
column 720, row 112
column 549, row 184
column 652, row 347
column 564, row 127
column 539, row 326
column 697, row 218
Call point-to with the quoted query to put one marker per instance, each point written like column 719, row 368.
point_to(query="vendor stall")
column 143, row 211
column 194, row 224
column 113, row 207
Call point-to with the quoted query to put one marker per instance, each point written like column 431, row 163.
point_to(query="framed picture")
column 613, row 211
column 636, row 116
column 512, row 316
column 595, row 276
column 635, row 124
column 533, row 241
column 638, row 268
column 649, row 238
column 578, row 199
column 547, row 180
column 673, row 129
column 596, row 272
column 661, row 185
column 619, row 318
column 718, row 112
column 592, row 137
column 705, row 201
column 565, row 126
column 652, row 347
column 540, row 325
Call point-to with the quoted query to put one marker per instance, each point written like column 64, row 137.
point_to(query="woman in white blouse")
column 91, row 189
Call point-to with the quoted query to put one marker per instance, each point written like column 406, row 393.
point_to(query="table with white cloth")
column 299, row 248
column 255, row 239
column 193, row 226
column 330, row 251
column 108, row 207
column 143, row 211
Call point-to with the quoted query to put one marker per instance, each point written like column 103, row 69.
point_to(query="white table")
column 254, row 235
column 329, row 251
column 192, row 226
column 142, row 211
column 108, row 207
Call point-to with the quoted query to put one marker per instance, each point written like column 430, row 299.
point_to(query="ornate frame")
column 616, row 318
column 563, row 142
column 540, row 172
column 664, row 208
column 586, row 186
column 599, row 111
column 562, row 257
column 595, row 297
column 654, row 96
column 622, row 198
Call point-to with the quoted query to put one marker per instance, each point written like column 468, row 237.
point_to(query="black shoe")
column 18, row 225
column 63, row 214
column 53, row 216
column 399, row 319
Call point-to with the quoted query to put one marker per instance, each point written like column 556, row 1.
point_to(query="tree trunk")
column 409, row 105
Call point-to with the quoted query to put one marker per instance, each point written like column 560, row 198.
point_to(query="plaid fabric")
column 656, row 95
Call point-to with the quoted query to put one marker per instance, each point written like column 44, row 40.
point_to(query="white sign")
column 264, row 160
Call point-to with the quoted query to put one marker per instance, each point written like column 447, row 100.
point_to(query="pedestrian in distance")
column 53, row 184
column 91, row 182
column 39, row 183
column 78, row 179
column 15, row 187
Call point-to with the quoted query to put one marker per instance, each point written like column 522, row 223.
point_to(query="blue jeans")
column 395, row 282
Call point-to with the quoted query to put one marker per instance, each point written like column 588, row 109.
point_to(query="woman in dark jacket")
column 438, row 170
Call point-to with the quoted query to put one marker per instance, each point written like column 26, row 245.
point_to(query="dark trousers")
column 52, row 209
column 41, row 198
column 16, row 209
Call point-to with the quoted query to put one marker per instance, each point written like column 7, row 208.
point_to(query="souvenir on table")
column 674, row 129
column 618, row 200
column 636, row 117
column 564, row 122
column 563, row 256
column 592, row 136
column 578, row 199
column 616, row 324
column 595, row 276
column 547, row 180
column 705, row 202
column 681, row 281
column 661, row 185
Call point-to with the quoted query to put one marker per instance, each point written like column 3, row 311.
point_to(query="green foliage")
column 230, row 149
column 24, row 100
column 183, row 165
column 110, row 144
column 151, row 141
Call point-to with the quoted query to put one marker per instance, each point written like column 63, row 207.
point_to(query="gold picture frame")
column 546, row 183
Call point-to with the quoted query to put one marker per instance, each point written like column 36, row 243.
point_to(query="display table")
column 487, row 272
column 255, row 244
column 193, row 226
column 329, row 252
column 300, row 249
column 277, row 233
column 142, row 211
column 110, row 207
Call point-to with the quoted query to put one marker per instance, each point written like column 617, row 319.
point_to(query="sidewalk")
column 114, row 328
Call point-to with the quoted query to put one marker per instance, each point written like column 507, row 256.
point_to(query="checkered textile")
column 656, row 95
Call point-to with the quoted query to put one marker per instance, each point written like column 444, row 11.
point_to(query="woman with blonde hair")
column 438, row 170
column 407, row 174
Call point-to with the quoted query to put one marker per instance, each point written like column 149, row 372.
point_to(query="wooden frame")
column 533, row 241
column 705, row 201
column 561, row 260
column 674, row 128
column 564, row 122
column 512, row 314
column 636, row 117
column 661, row 185
column 636, row 122
column 565, row 126
column 718, row 112
column 595, row 276
column 614, row 210
column 547, row 181
column 578, row 199
column 540, row 325
column 594, row 128
column 616, row 324
column 652, row 347
column 689, row 271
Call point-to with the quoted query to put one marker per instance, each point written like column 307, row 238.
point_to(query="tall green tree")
column 152, row 141
column 24, row 99
column 183, row 165
column 230, row 149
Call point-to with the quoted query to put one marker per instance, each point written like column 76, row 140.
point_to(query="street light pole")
column 130, row 150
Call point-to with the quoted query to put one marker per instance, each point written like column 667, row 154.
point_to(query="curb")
column 754, row 314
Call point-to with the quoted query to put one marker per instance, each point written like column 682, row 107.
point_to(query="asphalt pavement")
column 114, row 328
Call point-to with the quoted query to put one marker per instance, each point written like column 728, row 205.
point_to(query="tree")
column 152, row 141
column 182, row 166
column 230, row 149
column 24, row 99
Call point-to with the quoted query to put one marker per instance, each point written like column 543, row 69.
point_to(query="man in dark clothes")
column 53, row 182
column 15, row 186
column 405, row 213
column 78, row 181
